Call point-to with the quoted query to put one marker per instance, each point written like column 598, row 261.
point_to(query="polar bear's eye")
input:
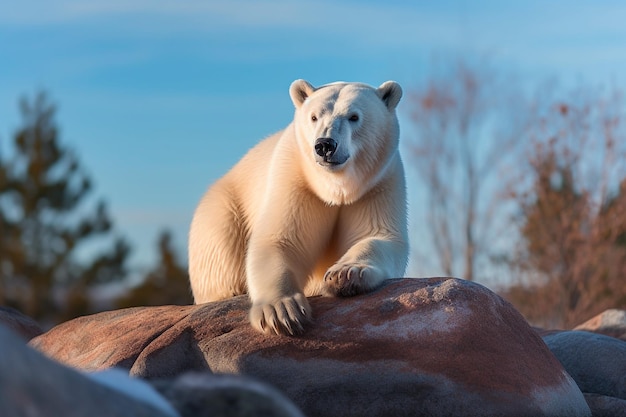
column 354, row 118
column 313, row 118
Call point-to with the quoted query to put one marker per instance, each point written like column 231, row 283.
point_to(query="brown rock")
column 419, row 347
column 611, row 323
column 22, row 325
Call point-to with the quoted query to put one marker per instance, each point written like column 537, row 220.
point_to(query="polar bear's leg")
column 283, row 250
column 276, row 290
column 373, row 236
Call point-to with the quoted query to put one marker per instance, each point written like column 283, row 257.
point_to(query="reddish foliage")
column 573, row 252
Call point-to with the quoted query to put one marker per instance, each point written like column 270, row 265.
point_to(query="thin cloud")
column 525, row 30
column 377, row 24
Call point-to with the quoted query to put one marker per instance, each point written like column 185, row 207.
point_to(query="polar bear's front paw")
column 347, row 280
column 286, row 316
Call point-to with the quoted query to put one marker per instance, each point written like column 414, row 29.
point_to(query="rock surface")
column 611, row 323
column 596, row 362
column 419, row 347
column 34, row 386
column 19, row 323
column 604, row 406
column 207, row 395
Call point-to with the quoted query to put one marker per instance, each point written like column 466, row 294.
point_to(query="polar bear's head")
column 347, row 134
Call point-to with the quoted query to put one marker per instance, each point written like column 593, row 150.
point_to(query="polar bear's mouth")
column 331, row 163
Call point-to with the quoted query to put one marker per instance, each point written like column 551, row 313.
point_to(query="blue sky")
column 159, row 98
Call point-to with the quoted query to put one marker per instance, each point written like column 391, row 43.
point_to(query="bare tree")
column 466, row 130
column 573, row 211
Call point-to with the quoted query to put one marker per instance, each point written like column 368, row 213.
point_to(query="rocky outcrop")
column 611, row 323
column 431, row 347
column 20, row 324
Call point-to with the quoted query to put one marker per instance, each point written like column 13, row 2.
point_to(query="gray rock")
column 19, row 323
column 603, row 406
column 34, row 386
column 418, row 347
column 207, row 395
column 596, row 362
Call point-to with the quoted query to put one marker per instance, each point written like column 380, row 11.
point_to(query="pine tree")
column 167, row 283
column 46, row 220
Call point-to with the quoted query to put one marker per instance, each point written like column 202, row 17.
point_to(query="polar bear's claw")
column 287, row 316
column 346, row 280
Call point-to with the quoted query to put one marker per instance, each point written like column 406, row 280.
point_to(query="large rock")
column 34, row 386
column 19, row 323
column 611, row 323
column 419, row 347
column 206, row 395
column 605, row 406
column 595, row 361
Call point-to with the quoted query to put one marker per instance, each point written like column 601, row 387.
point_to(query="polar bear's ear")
column 390, row 93
column 299, row 91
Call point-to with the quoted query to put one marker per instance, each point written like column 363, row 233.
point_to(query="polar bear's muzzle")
column 327, row 154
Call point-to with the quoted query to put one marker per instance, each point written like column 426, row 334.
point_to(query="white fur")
column 281, row 225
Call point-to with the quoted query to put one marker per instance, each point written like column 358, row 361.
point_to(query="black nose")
column 325, row 147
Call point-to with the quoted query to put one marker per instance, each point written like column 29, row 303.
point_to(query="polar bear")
column 318, row 208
